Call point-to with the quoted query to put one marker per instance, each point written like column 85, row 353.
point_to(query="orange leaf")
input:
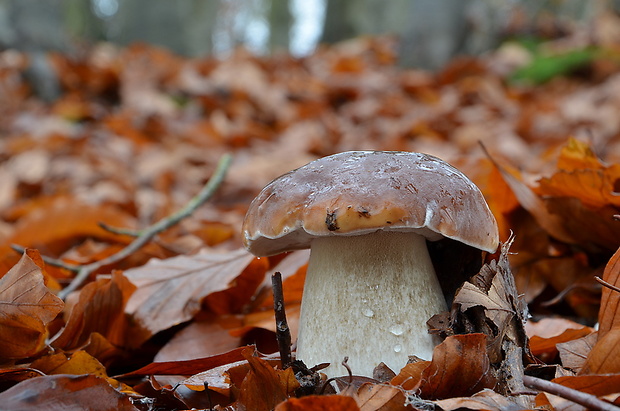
column 100, row 309
column 80, row 362
column 598, row 385
column 189, row 343
column 609, row 314
column 65, row 392
column 546, row 349
column 55, row 227
column 577, row 155
column 232, row 299
column 605, row 355
column 410, row 376
column 190, row 367
column 27, row 307
column 264, row 387
column 319, row 403
column 534, row 204
column 371, row 397
column 460, row 367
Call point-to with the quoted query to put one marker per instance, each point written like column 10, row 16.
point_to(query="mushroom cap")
column 360, row 192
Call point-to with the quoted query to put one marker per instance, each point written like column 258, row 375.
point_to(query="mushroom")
column 367, row 216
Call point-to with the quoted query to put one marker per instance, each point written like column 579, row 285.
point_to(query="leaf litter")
column 187, row 320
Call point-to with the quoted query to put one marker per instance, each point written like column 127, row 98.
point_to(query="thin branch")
column 148, row 233
column 606, row 284
column 283, row 333
column 589, row 401
column 49, row 260
column 119, row 230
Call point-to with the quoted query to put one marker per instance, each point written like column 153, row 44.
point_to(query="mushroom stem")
column 368, row 297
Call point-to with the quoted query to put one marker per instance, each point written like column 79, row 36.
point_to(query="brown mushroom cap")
column 360, row 192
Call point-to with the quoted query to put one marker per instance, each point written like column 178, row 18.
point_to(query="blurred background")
column 431, row 32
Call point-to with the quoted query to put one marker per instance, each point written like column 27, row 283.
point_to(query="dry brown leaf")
column 65, row 392
column 264, row 387
column 371, row 397
column 550, row 327
column 604, row 358
column 582, row 175
column 171, row 291
column 546, row 349
column 493, row 291
column 78, row 363
column 100, row 309
column 598, row 385
column 484, row 400
column 460, row 367
column 534, row 204
column 26, row 307
column 199, row 339
column 190, row 367
column 410, row 376
column 55, row 227
column 574, row 353
column 609, row 314
column 319, row 403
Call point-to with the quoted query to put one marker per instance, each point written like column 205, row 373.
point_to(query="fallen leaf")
column 493, row 290
column 484, row 400
column 573, row 354
column 80, row 362
column 609, row 314
column 190, row 367
column 170, row 292
column 460, row 367
column 550, row 327
column 546, row 348
column 370, row 397
column 319, row 403
column 52, row 229
column 65, row 392
column 240, row 291
column 604, row 358
column 199, row 339
column 530, row 201
column 489, row 303
column 26, row 307
column 410, row 376
column 264, row 387
column 598, row 385
column 100, row 309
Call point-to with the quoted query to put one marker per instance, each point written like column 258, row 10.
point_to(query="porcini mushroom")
column 366, row 216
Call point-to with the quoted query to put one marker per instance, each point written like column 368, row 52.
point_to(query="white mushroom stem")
column 368, row 298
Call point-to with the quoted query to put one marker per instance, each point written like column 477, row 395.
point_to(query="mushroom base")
column 368, row 298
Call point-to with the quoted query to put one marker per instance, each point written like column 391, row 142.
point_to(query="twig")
column 283, row 333
column 606, row 284
column 589, row 401
column 119, row 230
column 148, row 233
column 49, row 260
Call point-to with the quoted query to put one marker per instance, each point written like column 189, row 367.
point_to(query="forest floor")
column 169, row 311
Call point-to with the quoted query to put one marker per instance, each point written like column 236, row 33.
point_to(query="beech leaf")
column 609, row 314
column 62, row 392
column 170, row 292
column 319, row 403
column 460, row 367
column 264, row 387
column 26, row 307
